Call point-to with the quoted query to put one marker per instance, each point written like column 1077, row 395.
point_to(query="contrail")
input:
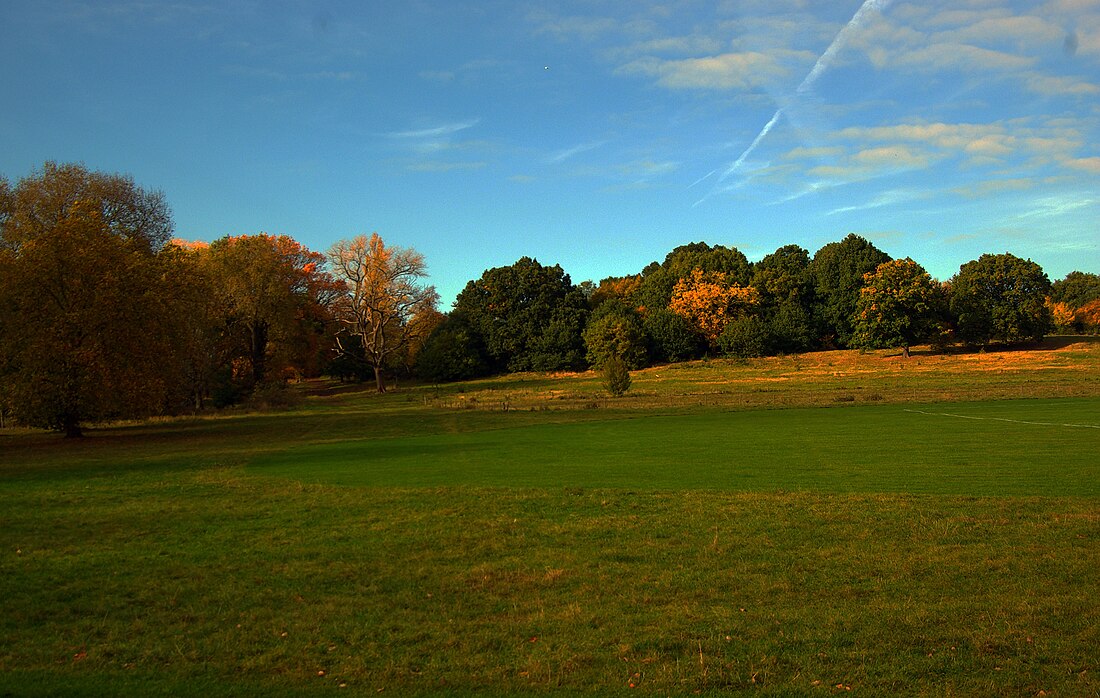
column 853, row 25
column 820, row 66
column 752, row 146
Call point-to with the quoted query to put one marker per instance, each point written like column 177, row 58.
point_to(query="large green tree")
column 1001, row 297
column 900, row 304
column 1076, row 289
column 529, row 317
column 86, row 312
column 837, row 271
column 453, row 351
column 782, row 280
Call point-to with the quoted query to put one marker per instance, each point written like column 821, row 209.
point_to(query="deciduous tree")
column 783, row 281
column 615, row 331
column 529, row 317
column 672, row 337
column 1089, row 316
column 271, row 289
column 900, row 304
column 709, row 301
column 658, row 280
column 85, row 313
column 1001, row 297
column 386, row 306
column 837, row 271
column 452, row 352
column 1076, row 289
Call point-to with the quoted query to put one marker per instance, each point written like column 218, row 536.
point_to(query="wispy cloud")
column 435, row 131
column 728, row 71
column 432, row 166
column 1021, row 143
column 430, row 146
column 1091, row 164
column 470, row 71
column 1059, row 205
column 874, row 162
column 566, row 28
column 994, row 186
column 563, row 155
column 989, row 43
column 823, row 62
column 886, row 198
column 648, row 168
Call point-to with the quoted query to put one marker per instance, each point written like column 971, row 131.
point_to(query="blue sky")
column 597, row 135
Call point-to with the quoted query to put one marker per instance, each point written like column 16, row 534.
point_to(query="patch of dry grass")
column 1060, row 367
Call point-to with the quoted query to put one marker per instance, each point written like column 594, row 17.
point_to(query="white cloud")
column 1059, row 85
column 1090, row 164
column 435, row 131
column 563, row 155
column 729, row 71
column 648, row 168
column 437, row 166
column 1054, row 206
column 573, row 27
column 962, row 57
column 886, row 198
column 994, row 186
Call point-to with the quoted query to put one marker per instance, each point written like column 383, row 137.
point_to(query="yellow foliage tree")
column 1089, row 316
column 386, row 306
column 1063, row 313
column 710, row 302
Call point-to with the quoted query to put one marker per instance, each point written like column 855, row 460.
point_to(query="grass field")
column 529, row 534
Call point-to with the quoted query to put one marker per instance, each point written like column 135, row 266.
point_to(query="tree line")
column 104, row 315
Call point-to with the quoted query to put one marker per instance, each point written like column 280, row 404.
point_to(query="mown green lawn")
column 372, row 545
column 1026, row 447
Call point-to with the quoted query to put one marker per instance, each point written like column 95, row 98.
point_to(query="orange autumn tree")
column 1063, row 313
column 1089, row 316
column 710, row 302
column 274, row 292
column 621, row 288
column 386, row 308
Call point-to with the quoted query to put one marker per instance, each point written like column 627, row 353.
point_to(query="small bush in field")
column 616, row 376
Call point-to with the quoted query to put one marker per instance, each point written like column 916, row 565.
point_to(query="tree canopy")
column 384, row 298
column 529, row 317
column 710, row 301
column 837, row 271
column 85, row 315
column 659, row 280
column 899, row 305
column 1001, row 297
column 268, row 287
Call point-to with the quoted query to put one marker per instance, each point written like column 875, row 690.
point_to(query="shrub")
column 611, row 334
column 671, row 337
column 616, row 376
column 747, row 336
column 274, row 395
column 451, row 353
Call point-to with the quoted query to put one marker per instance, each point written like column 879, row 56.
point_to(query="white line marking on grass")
column 1003, row 419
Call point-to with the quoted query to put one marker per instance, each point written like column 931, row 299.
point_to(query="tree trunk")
column 259, row 352
column 378, row 379
column 71, row 427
